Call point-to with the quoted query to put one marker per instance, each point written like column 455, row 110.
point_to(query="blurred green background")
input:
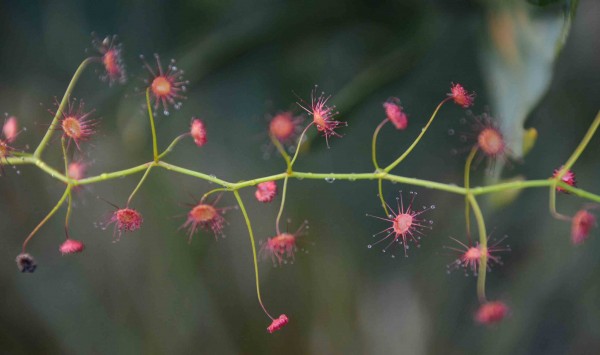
column 152, row 292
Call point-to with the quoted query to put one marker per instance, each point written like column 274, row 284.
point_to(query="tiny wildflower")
column 283, row 247
column 285, row 126
column 71, row 246
column 460, row 96
column 491, row 312
column 76, row 123
column 406, row 225
column 581, row 225
column 26, row 263
column 198, row 132
column 10, row 129
column 205, row 216
column 395, row 113
column 266, row 191
column 165, row 86
column 278, row 323
column 568, row 178
column 111, row 51
column 323, row 115
column 126, row 220
column 470, row 255
column 76, row 170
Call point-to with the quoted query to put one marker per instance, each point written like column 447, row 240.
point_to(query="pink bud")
column 11, row 129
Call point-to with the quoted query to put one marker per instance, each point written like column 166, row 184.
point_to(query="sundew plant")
column 408, row 216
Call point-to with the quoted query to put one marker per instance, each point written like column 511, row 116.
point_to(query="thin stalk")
column 374, row 144
column 283, row 194
column 68, row 216
column 298, row 147
column 467, row 184
column 152, row 128
column 281, row 151
column 139, row 184
column 220, row 189
column 63, row 103
column 483, row 247
column 172, row 145
column 257, row 279
column 64, row 152
column 50, row 214
column 381, row 198
column 580, row 148
column 414, row 144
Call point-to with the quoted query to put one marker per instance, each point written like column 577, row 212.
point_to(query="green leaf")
column 521, row 44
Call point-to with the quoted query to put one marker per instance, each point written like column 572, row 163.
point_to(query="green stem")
column 580, row 148
column 257, row 279
column 381, row 198
column 283, row 194
column 52, row 212
column 467, row 184
column 374, row 145
column 414, row 144
column 298, row 147
column 64, row 152
column 172, row 145
column 281, row 151
column 483, row 247
column 139, row 184
column 68, row 216
column 63, row 103
column 152, row 128
column 220, row 189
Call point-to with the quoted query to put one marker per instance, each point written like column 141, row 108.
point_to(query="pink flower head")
column 6, row 149
column 165, row 86
column 283, row 247
column 460, row 96
column 26, row 263
column 470, row 255
column 71, row 246
column 285, row 127
column 76, row 170
column 278, row 323
column 491, row 312
column 395, row 113
column 323, row 115
column 126, row 220
column 10, row 129
column 568, row 178
column 266, row 191
column 205, row 216
column 581, row 225
column 406, row 225
column 76, row 123
column 198, row 132
column 111, row 51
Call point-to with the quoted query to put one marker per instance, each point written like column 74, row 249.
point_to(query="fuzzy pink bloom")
column 71, row 246
column 283, row 247
column 581, row 225
column 205, row 216
column 76, row 170
column 460, row 96
column 323, row 115
column 126, row 220
column 470, row 255
column 395, row 113
column 165, row 86
column 11, row 129
column 491, row 312
column 266, row 191
column 198, row 132
column 76, row 123
column 111, row 51
column 568, row 178
column 285, row 126
column 406, row 225
column 278, row 323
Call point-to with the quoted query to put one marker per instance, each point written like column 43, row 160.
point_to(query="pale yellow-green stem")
column 152, row 128
column 298, row 147
column 253, row 244
column 150, row 166
column 381, row 198
column 283, row 194
column 48, row 216
column 282, row 151
column 374, row 144
column 483, row 247
column 467, row 188
column 172, row 145
column 61, row 107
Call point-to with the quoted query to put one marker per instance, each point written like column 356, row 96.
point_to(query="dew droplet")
column 330, row 179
